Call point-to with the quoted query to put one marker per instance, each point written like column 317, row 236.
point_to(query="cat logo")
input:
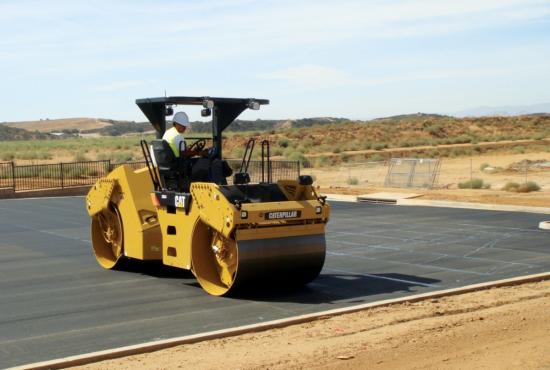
column 179, row 200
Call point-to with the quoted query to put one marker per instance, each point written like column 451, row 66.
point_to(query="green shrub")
column 510, row 186
column 472, row 184
column 484, row 166
column 434, row 130
column 80, row 157
column 322, row 161
column 518, row 149
column 527, row 187
column 353, row 181
column 376, row 157
column 283, row 143
column 7, row 156
column 367, row 145
column 379, row 146
column 297, row 156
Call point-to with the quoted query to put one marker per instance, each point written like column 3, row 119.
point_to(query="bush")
column 510, row 186
column 473, row 184
column 322, row 161
column 80, row 157
column 8, row 156
column 376, row 157
column 283, row 143
column 353, row 181
column 435, row 130
column 298, row 156
column 527, row 187
column 484, row 166
column 518, row 149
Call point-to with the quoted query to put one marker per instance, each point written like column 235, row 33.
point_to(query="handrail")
column 149, row 163
column 266, row 154
column 248, row 150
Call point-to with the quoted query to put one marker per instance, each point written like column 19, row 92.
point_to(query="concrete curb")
column 69, row 191
column 341, row 198
column 167, row 343
column 483, row 206
column 447, row 204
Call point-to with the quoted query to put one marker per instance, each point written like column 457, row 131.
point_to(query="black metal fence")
column 6, row 175
column 280, row 170
column 65, row 175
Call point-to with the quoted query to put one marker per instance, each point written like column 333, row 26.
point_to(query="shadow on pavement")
column 334, row 288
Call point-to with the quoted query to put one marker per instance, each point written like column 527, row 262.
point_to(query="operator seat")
column 173, row 171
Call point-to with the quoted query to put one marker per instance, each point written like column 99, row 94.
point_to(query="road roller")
column 232, row 235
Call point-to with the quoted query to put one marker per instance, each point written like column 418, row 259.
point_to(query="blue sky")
column 356, row 59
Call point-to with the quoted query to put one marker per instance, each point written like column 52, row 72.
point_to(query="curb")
column 545, row 225
column 483, row 206
column 341, row 198
column 168, row 343
column 447, row 204
column 42, row 193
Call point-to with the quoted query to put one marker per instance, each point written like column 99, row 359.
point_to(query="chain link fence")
column 496, row 174
column 412, row 173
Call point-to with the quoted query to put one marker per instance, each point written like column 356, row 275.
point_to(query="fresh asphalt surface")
column 56, row 301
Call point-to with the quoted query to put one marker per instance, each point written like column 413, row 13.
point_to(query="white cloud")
column 309, row 76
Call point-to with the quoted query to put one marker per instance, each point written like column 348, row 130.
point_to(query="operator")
column 174, row 136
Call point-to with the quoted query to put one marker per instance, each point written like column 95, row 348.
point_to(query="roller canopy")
column 224, row 111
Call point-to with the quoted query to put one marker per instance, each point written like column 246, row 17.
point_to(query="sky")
column 354, row 59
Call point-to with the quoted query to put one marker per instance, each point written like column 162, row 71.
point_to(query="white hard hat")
column 181, row 119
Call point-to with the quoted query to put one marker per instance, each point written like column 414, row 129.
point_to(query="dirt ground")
column 499, row 328
column 370, row 178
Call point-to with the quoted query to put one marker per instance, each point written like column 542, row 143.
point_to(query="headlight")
column 318, row 209
column 244, row 214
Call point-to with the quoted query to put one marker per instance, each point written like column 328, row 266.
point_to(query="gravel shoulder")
column 504, row 328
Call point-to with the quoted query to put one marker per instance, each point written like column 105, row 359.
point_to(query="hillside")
column 395, row 132
column 108, row 127
column 12, row 133
column 58, row 125
column 100, row 126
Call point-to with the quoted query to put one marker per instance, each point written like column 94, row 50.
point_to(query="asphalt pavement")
column 57, row 301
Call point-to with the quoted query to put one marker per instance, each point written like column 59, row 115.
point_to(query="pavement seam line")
column 224, row 333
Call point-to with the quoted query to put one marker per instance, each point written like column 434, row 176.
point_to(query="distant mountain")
column 505, row 110
column 409, row 117
column 101, row 126
column 13, row 133
column 266, row 125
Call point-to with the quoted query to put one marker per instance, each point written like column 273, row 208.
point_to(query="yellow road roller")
column 183, row 212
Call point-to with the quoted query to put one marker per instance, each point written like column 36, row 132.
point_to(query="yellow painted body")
column 128, row 192
column 208, row 234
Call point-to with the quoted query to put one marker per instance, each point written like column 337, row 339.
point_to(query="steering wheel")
column 198, row 145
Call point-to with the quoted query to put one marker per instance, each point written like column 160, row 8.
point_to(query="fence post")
column 298, row 162
column 13, row 175
column 62, row 177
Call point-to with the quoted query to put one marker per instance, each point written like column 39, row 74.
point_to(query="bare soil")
column 370, row 178
column 60, row 124
column 500, row 328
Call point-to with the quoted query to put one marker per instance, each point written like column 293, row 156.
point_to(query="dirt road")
column 501, row 328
